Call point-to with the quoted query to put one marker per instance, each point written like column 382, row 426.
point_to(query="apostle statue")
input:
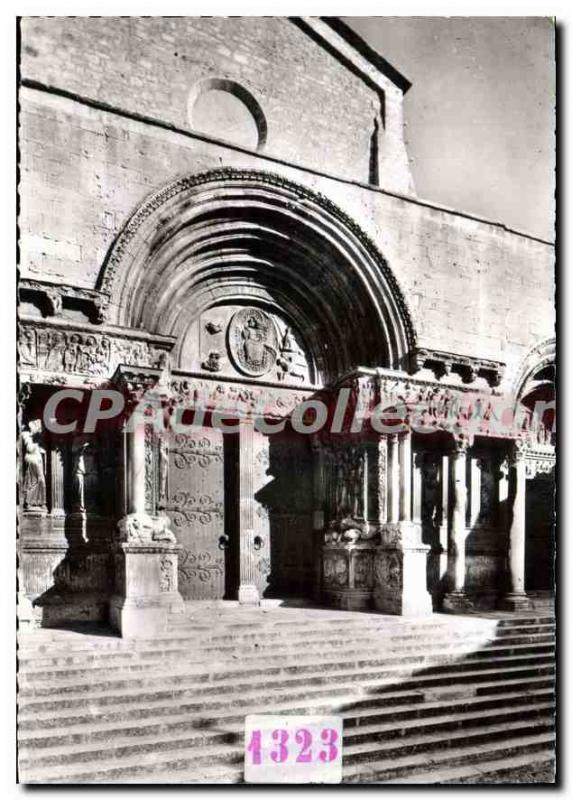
column 34, row 485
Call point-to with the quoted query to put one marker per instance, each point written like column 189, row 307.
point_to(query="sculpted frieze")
column 265, row 400
column 68, row 352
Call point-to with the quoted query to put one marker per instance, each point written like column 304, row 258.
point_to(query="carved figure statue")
column 291, row 359
column 79, row 472
column 254, row 342
column 34, row 488
column 71, row 353
column 27, row 348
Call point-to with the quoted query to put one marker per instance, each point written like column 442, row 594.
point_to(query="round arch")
column 248, row 236
column 534, row 387
column 537, row 369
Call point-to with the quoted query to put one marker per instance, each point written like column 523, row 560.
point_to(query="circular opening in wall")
column 226, row 110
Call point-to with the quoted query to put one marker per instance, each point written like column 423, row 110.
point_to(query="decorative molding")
column 199, row 565
column 51, row 298
column 468, row 367
column 539, row 462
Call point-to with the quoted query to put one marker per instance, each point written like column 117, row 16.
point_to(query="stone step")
column 172, row 674
column 328, row 697
column 373, row 750
column 439, row 703
column 373, row 681
column 356, row 714
column 146, row 651
column 501, row 770
column 149, row 652
column 342, row 654
column 59, row 641
column 434, row 760
column 31, row 661
column 49, row 641
column 120, row 746
column 436, row 764
column 124, row 763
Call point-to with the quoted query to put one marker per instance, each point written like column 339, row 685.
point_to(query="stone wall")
column 318, row 112
column 472, row 287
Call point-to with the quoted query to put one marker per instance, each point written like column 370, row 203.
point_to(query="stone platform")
column 441, row 699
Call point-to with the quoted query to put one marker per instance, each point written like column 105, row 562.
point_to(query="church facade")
column 329, row 387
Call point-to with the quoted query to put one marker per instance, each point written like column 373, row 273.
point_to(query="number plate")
column 290, row 749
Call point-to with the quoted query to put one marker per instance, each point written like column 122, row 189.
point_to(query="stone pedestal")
column 400, row 571
column 146, row 588
column 347, row 575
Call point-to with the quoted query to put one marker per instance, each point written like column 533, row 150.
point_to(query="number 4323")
column 302, row 750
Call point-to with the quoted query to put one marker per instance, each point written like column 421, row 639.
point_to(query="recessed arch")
column 248, row 234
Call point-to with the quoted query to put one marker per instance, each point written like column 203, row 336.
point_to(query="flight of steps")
column 448, row 699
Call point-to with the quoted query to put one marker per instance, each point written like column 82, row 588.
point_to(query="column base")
column 138, row 616
column 456, row 602
column 515, row 601
column 248, row 595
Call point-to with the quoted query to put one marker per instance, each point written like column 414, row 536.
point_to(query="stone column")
column 393, row 512
column 444, row 520
column 417, row 486
column 57, row 501
column 515, row 599
column 146, row 553
column 247, row 591
column 475, row 505
column 456, row 599
column 381, row 481
column 135, row 450
column 405, row 477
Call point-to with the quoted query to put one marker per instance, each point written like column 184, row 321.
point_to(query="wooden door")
column 196, row 507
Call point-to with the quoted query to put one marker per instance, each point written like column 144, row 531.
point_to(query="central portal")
column 204, row 506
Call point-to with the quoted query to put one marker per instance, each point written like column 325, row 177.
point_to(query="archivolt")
column 248, row 236
column 534, row 367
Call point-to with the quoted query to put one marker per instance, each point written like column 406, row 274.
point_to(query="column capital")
column 134, row 382
column 462, row 442
column 517, row 452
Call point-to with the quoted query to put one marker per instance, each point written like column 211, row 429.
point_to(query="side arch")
column 243, row 235
column 538, row 368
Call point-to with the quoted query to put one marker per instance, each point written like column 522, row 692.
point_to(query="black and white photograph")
column 286, row 400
